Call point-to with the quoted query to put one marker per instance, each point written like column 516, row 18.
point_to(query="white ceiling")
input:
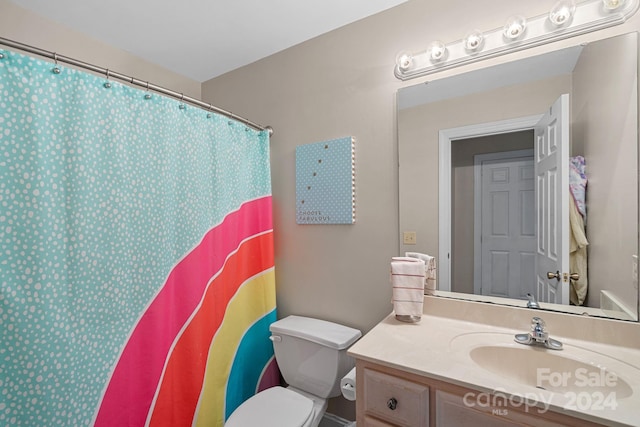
column 202, row 39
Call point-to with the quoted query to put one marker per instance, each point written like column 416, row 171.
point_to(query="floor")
column 330, row 420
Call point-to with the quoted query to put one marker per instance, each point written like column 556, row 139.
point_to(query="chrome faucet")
column 538, row 336
column 533, row 302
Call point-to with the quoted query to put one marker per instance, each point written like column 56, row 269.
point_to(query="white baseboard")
column 330, row 420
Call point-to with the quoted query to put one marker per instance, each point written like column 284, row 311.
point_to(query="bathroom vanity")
column 461, row 366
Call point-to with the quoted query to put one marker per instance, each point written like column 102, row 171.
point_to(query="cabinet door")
column 453, row 410
column 393, row 399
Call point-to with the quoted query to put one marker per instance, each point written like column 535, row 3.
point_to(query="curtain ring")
column 55, row 69
column 209, row 115
column 108, row 83
column 182, row 106
column 147, row 95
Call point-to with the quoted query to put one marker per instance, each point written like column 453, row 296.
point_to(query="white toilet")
column 312, row 356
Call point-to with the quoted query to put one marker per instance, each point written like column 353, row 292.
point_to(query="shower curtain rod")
column 131, row 80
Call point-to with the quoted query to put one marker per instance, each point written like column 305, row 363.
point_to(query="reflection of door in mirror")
column 602, row 82
column 520, row 210
column 504, row 223
column 551, row 166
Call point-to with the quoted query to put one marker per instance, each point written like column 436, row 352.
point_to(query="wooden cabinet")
column 396, row 400
column 388, row 397
column 374, row 422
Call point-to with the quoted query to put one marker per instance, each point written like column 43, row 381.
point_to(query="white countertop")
column 434, row 348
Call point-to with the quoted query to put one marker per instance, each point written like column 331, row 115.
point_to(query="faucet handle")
column 537, row 322
column 538, row 331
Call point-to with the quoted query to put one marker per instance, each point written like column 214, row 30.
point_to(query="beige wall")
column 342, row 84
column 608, row 139
column 21, row 25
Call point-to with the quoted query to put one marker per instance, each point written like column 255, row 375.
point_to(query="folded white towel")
column 407, row 272
column 430, row 269
column 407, row 280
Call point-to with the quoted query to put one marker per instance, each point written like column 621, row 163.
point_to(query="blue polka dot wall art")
column 325, row 182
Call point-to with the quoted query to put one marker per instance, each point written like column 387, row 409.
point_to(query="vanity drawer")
column 401, row 402
column 374, row 422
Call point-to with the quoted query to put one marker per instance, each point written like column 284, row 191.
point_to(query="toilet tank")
column 312, row 353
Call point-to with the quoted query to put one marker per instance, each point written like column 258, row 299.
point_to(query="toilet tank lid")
column 319, row 331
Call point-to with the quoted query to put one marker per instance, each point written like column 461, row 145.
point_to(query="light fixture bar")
column 589, row 15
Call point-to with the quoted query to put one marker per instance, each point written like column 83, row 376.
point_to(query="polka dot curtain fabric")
column 325, row 182
column 118, row 209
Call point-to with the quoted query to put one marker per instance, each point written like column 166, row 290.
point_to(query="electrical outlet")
column 409, row 237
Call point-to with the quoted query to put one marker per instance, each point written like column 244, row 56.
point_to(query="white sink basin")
column 572, row 370
column 540, row 368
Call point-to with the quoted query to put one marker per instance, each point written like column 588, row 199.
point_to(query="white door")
column 505, row 227
column 552, row 203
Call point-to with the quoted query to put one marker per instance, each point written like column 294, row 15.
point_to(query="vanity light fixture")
column 612, row 4
column 404, row 60
column 515, row 27
column 437, row 51
column 566, row 19
column 562, row 12
column 473, row 41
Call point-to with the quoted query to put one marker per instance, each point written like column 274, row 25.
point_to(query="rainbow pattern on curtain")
column 211, row 353
column 137, row 265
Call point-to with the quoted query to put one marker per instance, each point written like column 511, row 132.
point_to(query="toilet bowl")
column 274, row 407
column 312, row 356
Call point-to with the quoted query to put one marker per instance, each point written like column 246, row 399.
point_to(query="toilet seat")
column 274, row 407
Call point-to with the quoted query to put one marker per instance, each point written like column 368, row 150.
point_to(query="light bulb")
column 404, row 60
column 562, row 12
column 612, row 4
column 437, row 51
column 515, row 27
column 473, row 41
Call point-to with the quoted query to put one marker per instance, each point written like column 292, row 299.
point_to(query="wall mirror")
column 523, row 178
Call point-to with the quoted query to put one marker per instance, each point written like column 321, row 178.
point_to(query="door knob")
column 555, row 275
column 574, row 276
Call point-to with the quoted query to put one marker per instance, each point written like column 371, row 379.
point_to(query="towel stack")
column 430, row 270
column 407, row 279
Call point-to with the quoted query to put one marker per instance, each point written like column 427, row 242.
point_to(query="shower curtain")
column 136, row 255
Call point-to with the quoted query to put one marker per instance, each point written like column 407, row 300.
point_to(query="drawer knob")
column 392, row 403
